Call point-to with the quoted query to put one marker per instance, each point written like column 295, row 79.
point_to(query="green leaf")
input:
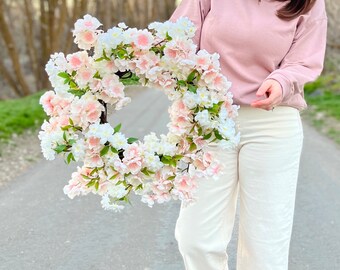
column 193, row 147
column 181, row 83
column 74, row 73
column 200, row 131
column 121, row 54
column 117, row 128
column 60, row 148
column 96, row 185
column 66, row 81
column 120, row 182
column 65, row 128
column 64, row 136
column 105, row 56
column 140, row 186
column 178, row 157
column 191, row 76
column 218, row 135
column 214, row 109
column 132, row 140
column 85, row 177
column 166, row 160
column 114, row 176
column 207, row 136
column 93, row 171
column 173, row 163
column 73, row 85
column 168, row 37
column 192, row 88
column 64, row 75
column 71, row 122
column 70, row 157
column 77, row 93
column 99, row 59
column 91, row 183
column 97, row 75
column 72, row 141
column 114, row 150
column 171, row 177
column 104, row 150
column 145, row 171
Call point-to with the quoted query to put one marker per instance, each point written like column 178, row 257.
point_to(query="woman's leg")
column 203, row 230
column 270, row 151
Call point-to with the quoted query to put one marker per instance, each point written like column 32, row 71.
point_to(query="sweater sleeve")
column 304, row 61
column 196, row 11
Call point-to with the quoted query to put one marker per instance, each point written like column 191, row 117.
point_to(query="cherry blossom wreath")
column 159, row 169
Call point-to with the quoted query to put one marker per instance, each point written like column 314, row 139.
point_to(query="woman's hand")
column 273, row 91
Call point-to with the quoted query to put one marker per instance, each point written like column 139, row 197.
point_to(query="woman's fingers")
column 263, row 88
column 273, row 90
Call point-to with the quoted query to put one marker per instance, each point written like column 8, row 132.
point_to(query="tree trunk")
column 12, row 51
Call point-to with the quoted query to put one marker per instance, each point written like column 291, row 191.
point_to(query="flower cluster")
column 158, row 168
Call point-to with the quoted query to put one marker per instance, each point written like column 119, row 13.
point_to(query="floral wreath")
column 160, row 168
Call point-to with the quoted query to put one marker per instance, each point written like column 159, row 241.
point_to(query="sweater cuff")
column 286, row 85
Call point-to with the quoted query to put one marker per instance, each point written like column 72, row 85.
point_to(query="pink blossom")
column 84, row 76
column 54, row 105
column 143, row 39
column 113, row 88
column 77, row 60
column 214, row 169
column 46, row 101
column 87, row 23
column 185, row 183
column 210, row 75
column 179, row 49
column 63, row 120
column 183, row 145
column 120, row 166
column 85, row 32
column 199, row 141
column 132, row 158
column 203, row 60
column 145, row 62
column 77, row 185
column 93, row 158
column 94, row 143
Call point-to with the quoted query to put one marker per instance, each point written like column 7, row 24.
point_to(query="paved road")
column 42, row 229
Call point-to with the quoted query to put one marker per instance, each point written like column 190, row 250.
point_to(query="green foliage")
column 328, row 97
column 17, row 115
column 134, row 80
column 324, row 95
column 328, row 102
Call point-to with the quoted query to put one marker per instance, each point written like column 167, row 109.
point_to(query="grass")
column 323, row 99
column 324, row 94
column 18, row 115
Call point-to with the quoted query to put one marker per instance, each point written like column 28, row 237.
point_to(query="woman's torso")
column 251, row 41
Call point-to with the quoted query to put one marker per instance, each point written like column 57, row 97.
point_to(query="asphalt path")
column 41, row 228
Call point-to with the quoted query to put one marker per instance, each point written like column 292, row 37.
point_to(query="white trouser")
column 263, row 170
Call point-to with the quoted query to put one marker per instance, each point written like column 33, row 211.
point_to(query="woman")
column 268, row 50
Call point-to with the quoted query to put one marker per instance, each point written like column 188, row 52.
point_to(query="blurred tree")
column 32, row 30
column 333, row 35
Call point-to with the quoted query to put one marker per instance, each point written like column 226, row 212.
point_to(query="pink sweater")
column 254, row 44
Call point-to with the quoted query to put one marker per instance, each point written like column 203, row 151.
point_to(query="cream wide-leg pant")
column 263, row 171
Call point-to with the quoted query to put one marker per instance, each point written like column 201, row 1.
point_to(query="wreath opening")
column 85, row 83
